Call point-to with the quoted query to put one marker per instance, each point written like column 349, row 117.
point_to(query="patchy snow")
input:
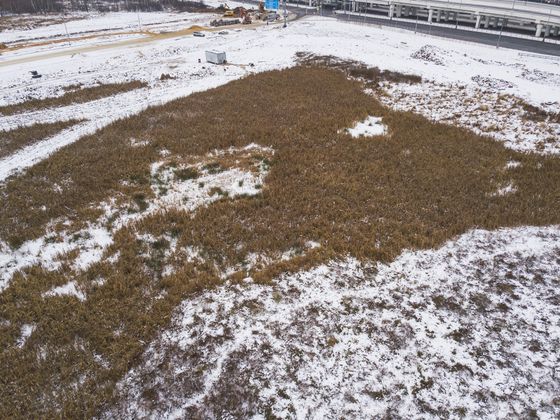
column 485, row 111
column 96, row 114
column 69, row 289
column 170, row 191
column 190, row 194
column 371, row 126
column 470, row 329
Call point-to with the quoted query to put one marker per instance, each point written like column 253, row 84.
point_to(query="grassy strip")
column 73, row 97
column 372, row 76
column 537, row 114
column 371, row 198
column 13, row 140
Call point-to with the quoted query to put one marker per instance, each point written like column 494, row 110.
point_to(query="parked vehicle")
column 199, row 34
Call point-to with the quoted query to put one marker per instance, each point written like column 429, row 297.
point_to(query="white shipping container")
column 216, row 57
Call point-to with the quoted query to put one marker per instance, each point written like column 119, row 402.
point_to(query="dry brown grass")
column 370, row 198
column 372, row 76
column 537, row 114
column 72, row 97
column 13, row 140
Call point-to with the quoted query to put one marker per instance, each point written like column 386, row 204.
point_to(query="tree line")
column 50, row 6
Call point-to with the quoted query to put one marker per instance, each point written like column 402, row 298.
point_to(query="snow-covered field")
column 470, row 329
column 88, row 23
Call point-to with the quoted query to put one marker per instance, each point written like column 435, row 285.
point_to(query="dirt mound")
column 538, row 76
column 431, row 54
column 491, row 83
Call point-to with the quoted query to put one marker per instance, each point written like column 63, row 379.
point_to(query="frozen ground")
column 471, row 329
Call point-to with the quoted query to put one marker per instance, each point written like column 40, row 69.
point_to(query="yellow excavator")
column 228, row 11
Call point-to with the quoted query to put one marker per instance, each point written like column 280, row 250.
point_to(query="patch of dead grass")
column 13, row 140
column 76, row 96
column 368, row 198
column 537, row 114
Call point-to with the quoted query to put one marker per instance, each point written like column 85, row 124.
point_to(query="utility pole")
column 67, row 35
column 502, row 26
column 285, row 14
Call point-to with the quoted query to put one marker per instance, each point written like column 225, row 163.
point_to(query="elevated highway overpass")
column 539, row 19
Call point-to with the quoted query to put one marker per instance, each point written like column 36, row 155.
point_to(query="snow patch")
column 371, row 126
column 505, row 190
column 69, row 289
column 512, row 164
column 25, row 333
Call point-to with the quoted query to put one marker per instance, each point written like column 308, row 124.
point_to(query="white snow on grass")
column 470, row 329
column 68, row 289
column 512, row 164
column 205, row 189
column 506, row 190
column 25, row 333
column 371, row 126
column 484, row 110
column 170, row 192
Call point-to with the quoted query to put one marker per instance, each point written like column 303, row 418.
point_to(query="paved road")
column 515, row 43
column 521, row 44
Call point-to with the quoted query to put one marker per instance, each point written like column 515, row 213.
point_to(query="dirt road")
column 147, row 37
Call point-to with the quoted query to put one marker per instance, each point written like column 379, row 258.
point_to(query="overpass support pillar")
column 430, row 15
column 556, row 31
column 539, row 30
column 399, row 10
column 547, row 31
column 486, row 22
column 438, row 16
column 478, row 18
column 391, row 11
